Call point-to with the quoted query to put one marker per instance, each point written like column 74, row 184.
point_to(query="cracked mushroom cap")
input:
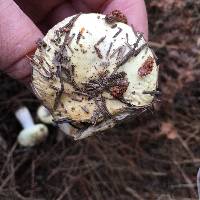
column 90, row 71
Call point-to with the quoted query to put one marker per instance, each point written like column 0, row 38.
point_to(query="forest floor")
column 153, row 157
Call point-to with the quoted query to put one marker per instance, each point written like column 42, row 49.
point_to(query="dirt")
column 155, row 156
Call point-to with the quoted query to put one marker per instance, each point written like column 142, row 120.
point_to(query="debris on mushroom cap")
column 34, row 135
column 44, row 115
column 87, row 71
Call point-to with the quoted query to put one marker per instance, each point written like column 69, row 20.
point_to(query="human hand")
column 21, row 27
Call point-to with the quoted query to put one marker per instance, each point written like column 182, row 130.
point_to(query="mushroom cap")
column 33, row 135
column 44, row 115
column 86, row 70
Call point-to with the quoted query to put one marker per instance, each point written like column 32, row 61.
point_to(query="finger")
column 70, row 8
column 134, row 10
column 58, row 14
column 37, row 10
column 18, row 35
column 87, row 5
column 46, row 13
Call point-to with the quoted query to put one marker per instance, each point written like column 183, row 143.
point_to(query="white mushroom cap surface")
column 33, row 135
column 44, row 115
column 87, row 70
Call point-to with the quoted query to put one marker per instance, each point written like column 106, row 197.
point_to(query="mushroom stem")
column 24, row 117
column 66, row 128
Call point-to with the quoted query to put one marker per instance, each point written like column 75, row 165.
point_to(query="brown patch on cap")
column 146, row 68
column 118, row 90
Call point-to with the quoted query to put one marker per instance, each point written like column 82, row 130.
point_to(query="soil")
column 155, row 156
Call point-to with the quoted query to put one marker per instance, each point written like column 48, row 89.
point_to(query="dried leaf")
column 168, row 129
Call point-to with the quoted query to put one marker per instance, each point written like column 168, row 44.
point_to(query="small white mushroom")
column 44, row 115
column 31, row 134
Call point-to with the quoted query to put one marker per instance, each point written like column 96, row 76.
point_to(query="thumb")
column 18, row 36
column 135, row 11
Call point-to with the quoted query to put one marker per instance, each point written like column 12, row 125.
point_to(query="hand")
column 21, row 26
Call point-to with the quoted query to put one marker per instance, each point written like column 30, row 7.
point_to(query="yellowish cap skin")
column 92, row 73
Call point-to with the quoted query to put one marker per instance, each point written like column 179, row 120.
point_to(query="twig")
column 98, row 52
column 8, row 157
column 25, row 198
column 65, row 191
column 32, row 178
column 185, row 176
column 198, row 183
column 134, row 193
column 162, row 45
column 7, row 179
column 185, row 146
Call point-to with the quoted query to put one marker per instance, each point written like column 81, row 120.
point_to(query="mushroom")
column 44, row 115
column 31, row 134
column 93, row 71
